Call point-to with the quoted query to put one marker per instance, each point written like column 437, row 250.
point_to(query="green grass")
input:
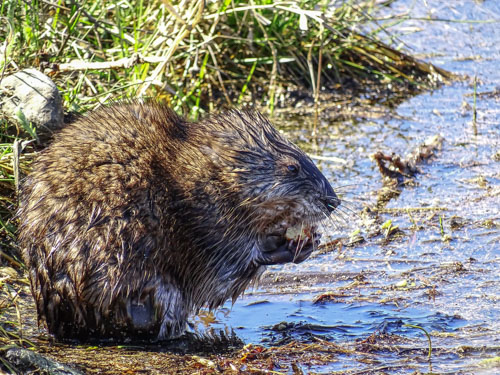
column 202, row 54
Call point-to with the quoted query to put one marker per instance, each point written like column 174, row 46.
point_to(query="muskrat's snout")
column 331, row 202
column 323, row 191
column 330, row 199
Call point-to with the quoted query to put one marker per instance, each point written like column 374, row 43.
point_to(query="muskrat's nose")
column 331, row 202
column 330, row 199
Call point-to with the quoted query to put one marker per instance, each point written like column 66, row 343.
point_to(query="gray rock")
column 27, row 361
column 32, row 95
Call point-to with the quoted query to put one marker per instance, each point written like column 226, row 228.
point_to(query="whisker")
column 339, row 224
column 340, row 187
column 345, row 208
column 340, row 214
column 330, row 219
column 298, row 248
column 333, row 221
column 329, row 245
column 323, row 228
column 356, row 200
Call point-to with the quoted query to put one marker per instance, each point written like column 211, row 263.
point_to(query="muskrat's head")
column 274, row 180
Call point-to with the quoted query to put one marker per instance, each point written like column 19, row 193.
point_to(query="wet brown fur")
column 134, row 218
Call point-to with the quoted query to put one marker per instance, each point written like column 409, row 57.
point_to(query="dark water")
column 443, row 273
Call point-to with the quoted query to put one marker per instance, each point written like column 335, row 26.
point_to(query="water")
column 442, row 273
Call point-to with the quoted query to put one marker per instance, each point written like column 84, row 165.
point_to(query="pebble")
column 32, row 94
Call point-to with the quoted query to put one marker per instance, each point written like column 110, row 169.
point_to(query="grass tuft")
column 198, row 54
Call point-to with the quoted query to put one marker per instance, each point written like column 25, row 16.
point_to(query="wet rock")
column 27, row 361
column 32, row 95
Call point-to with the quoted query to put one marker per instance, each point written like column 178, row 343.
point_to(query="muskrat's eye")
column 293, row 168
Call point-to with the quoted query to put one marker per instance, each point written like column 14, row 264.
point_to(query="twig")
column 409, row 209
column 219, row 76
column 333, row 159
column 6, row 43
column 16, row 150
column 318, row 84
column 274, row 71
column 126, row 62
column 184, row 31
column 493, row 20
column 10, row 259
column 375, row 370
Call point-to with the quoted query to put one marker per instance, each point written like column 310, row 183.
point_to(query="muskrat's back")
column 134, row 218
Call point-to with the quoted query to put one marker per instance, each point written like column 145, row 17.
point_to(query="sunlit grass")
column 196, row 54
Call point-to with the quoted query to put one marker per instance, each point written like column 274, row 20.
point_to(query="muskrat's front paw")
column 278, row 256
column 301, row 251
column 277, row 250
column 271, row 243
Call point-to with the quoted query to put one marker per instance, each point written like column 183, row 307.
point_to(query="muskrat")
column 134, row 218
